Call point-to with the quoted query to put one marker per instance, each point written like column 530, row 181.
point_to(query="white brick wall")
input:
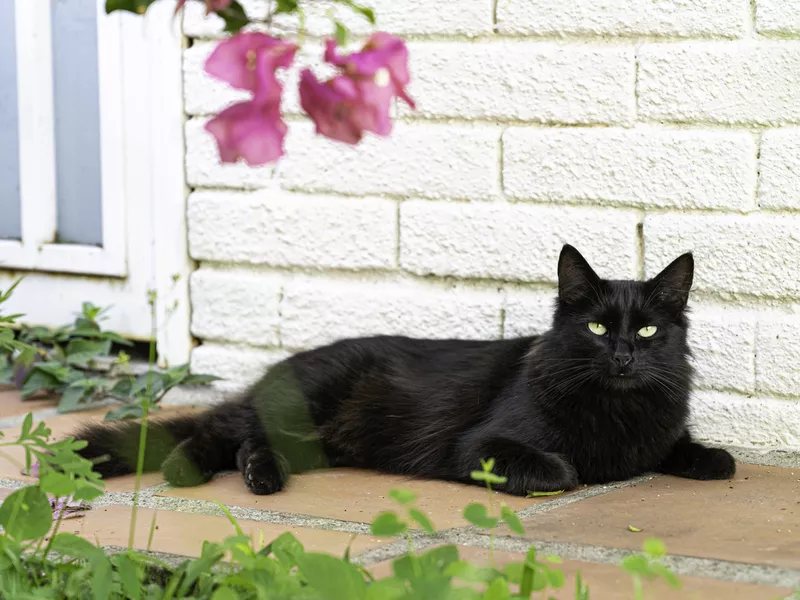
column 633, row 129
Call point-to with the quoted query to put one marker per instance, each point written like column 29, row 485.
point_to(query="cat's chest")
column 613, row 437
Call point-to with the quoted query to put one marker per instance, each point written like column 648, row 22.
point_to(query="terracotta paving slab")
column 11, row 405
column 609, row 582
column 63, row 425
column 753, row 518
column 184, row 533
column 351, row 495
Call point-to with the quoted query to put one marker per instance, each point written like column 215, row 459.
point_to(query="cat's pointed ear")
column 576, row 279
column 671, row 287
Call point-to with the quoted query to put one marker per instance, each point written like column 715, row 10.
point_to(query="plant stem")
column 491, row 533
column 145, row 410
column 637, row 588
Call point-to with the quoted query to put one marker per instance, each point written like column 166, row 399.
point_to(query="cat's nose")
column 623, row 360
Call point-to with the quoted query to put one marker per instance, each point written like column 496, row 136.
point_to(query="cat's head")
column 625, row 333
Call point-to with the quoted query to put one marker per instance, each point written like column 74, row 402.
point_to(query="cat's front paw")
column 714, row 463
column 694, row 461
column 544, row 472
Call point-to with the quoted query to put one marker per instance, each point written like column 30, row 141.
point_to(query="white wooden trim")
column 36, row 140
column 165, row 54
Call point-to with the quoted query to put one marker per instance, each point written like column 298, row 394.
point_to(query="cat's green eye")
column 648, row 331
column 597, row 328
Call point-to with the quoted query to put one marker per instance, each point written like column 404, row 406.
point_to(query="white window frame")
column 37, row 250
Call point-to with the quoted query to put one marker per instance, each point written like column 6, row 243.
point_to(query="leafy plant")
column 76, row 361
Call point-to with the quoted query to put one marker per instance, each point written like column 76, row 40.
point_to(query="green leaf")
column 556, row 578
column 234, row 16
column 81, row 352
column 332, row 578
column 135, row 6
column 287, row 548
column 125, row 388
column 668, row 576
column 635, row 563
column 129, row 577
column 422, row 520
column 26, row 514
column 225, row 593
column 199, row 379
column 57, row 484
column 38, row 380
column 487, row 465
column 540, row 494
column 340, row 33
column 73, row 546
column 286, row 6
column 366, row 12
column 402, row 496
column 497, row 590
column 126, row 411
column 633, row 529
column 477, row 514
column 488, row 477
column 466, row 571
column 102, row 578
column 513, row 572
column 512, row 520
column 390, row 588
column 654, row 547
column 387, row 524
column 71, row 399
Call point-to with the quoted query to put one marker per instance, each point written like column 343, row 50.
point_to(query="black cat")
column 602, row 396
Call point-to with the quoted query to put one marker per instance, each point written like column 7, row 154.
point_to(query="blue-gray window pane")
column 10, row 221
column 77, row 122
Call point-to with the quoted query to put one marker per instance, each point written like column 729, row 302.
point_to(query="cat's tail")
column 114, row 446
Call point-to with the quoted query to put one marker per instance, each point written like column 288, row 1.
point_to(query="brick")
column 239, row 366
column 319, row 311
column 742, row 82
column 283, row 229
column 427, row 160
column 778, row 349
column 723, row 342
column 403, row 17
column 753, row 254
column 745, row 421
column 779, row 169
column 528, row 313
column 646, row 166
column 204, row 169
column 542, row 82
column 778, row 16
column 235, row 306
column 516, row 242
column 623, row 17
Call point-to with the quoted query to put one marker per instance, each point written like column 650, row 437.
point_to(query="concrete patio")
column 737, row 539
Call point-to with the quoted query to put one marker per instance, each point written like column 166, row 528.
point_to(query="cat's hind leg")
column 526, row 469
column 264, row 472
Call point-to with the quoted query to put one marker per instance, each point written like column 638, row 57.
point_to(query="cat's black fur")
column 555, row 410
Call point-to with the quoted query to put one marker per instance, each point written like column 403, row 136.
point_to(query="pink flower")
column 359, row 99
column 382, row 51
column 250, row 130
column 249, row 61
column 343, row 109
